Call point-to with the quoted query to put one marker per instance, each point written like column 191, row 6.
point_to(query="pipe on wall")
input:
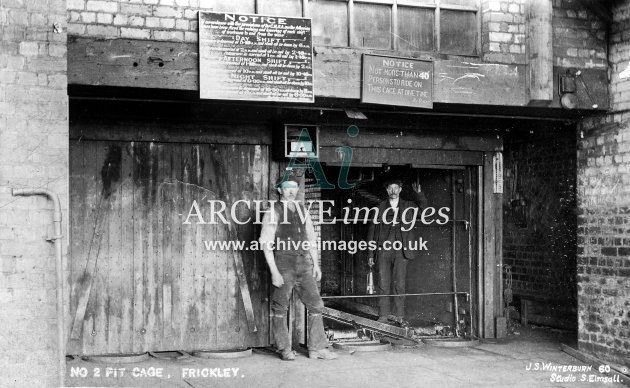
column 57, row 239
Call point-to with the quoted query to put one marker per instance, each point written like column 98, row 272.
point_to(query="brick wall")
column 539, row 214
column 33, row 153
column 168, row 20
column 579, row 37
column 503, row 30
column 604, row 205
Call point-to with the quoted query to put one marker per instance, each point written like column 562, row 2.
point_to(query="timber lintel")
column 175, row 65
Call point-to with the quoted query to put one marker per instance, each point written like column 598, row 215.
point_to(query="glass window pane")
column 238, row 6
column 468, row 3
column 458, row 32
column 415, row 29
column 291, row 8
column 372, row 26
column 330, row 22
column 416, row 2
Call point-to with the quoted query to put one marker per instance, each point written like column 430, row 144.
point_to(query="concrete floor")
column 489, row 365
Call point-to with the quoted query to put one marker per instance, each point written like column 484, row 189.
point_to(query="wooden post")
column 540, row 52
column 492, row 241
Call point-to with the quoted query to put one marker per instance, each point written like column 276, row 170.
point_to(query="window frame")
column 435, row 5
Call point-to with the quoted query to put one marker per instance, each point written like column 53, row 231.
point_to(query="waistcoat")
column 294, row 230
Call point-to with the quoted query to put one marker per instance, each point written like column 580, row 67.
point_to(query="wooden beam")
column 373, row 156
column 417, row 138
column 133, row 63
column 492, row 249
column 474, row 82
column 172, row 65
column 175, row 66
column 540, row 52
column 175, row 132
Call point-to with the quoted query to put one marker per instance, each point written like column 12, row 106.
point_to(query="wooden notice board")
column 397, row 81
column 255, row 57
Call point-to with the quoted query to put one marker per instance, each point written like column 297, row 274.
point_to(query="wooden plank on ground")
column 368, row 323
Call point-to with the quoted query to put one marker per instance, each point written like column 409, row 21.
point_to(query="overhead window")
column 459, row 27
column 372, row 25
column 238, row 6
column 445, row 26
column 415, row 29
column 330, row 22
column 292, row 8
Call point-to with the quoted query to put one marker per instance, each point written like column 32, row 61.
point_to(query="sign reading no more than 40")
column 255, row 57
column 397, row 81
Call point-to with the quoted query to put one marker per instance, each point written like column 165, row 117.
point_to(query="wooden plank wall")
column 155, row 286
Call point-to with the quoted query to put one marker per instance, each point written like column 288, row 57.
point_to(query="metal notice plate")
column 397, row 81
column 255, row 57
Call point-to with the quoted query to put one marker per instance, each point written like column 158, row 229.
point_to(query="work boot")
column 324, row 354
column 287, row 355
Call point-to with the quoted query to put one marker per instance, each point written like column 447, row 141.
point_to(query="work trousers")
column 297, row 273
column 392, row 273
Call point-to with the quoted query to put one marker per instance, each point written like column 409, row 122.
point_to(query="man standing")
column 293, row 265
column 388, row 235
